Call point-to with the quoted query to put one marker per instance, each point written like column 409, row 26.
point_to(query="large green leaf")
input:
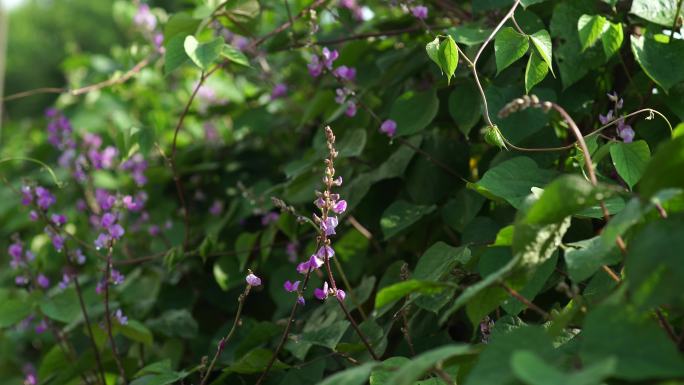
column 535, row 72
column 255, row 361
column 420, row 364
column 393, row 293
column 438, row 260
column 327, row 336
column 585, row 257
column 509, row 46
column 656, row 11
column 203, row 54
column 413, row 111
column 533, row 370
column 665, row 168
column 448, row 57
column 590, row 29
column 382, row 373
column 513, row 180
column 464, row 105
column 630, row 160
column 612, row 38
column 401, row 215
column 356, row 375
column 654, row 266
column 542, row 44
column 656, row 58
column 641, row 347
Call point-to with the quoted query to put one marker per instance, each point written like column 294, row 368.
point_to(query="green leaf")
column 642, row 348
column 401, row 215
column 565, row 196
column 462, row 209
column 513, row 179
column 469, row 34
column 63, row 307
column 255, row 361
column 180, row 23
column 233, row 54
column 532, row 287
column 654, row 265
column 464, row 106
column 656, row 11
column 176, row 322
column 421, row 363
column 439, row 260
column 432, row 49
column 665, row 168
column 493, row 365
column 509, row 46
column 448, row 57
column 203, row 54
column 244, row 244
column 585, row 257
column 656, row 59
column 382, row 373
column 533, row 370
column 13, row 310
column 612, row 39
column 174, row 54
column 536, row 71
column 590, row 29
column 630, row 160
column 137, row 332
column 542, row 42
column 356, row 375
column 413, row 111
column 393, row 293
column 327, row 336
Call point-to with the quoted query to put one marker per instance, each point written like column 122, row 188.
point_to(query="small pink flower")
column 389, row 127
column 340, row 207
column 279, row 90
column 420, row 12
column 253, row 280
column 341, row 294
column 351, row 109
column 290, row 286
column 321, row 293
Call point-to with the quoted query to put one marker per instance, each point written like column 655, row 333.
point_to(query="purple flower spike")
column 45, row 198
column 43, row 281
column 420, row 12
column 346, row 73
column 329, row 57
column 389, row 127
column 253, row 280
column 340, row 207
column 291, row 287
column 108, row 219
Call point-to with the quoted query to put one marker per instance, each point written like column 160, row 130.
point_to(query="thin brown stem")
column 529, row 304
column 222, row 343
column 108, row 317
column 89, row 327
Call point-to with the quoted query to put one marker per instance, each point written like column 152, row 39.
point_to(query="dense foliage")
column 350, row 192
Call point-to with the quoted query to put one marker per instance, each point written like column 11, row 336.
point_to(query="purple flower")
column 21, row 280
column 216, row 208
column 351, row 109
column 420, row 12
column 137, row 166
column 389, row 127
column 108, row 219
column 627, row 134
column 341, row 294
column 33, row 215
column 269, row 218
column 337, row 181
column 329, row 57
column 340, row 206
column 78, row 257
column 31, row 379
column 144, row 18
column 328, row 226
column 320, row 202
column 301, row 301
column 315, row 262
column 303, row 267
column 58, row 242
column 92, row 140
column 117, row 277
column 136, row 203
column 158, row 41
column 253, row 280
column 116, row 231
column 45, row 198
column 315, row 67
column 325, row 252
column 342, row 94
column 120, row 317
column 291, row 251
column 43, row 281
column 278, row 91
column 58, row 219
column 101, row 241
column 346, row 73
column 605, row 119
column 321, row 293
column 64, row 283
column 290, row 287
column 104, row 199
column 41, row 327
column 15, row 250
column 154, row 230
column 26, row 195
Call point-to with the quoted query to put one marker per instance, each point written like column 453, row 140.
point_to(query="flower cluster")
column 326, row 60
column 624, row 130
column 147, row 22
